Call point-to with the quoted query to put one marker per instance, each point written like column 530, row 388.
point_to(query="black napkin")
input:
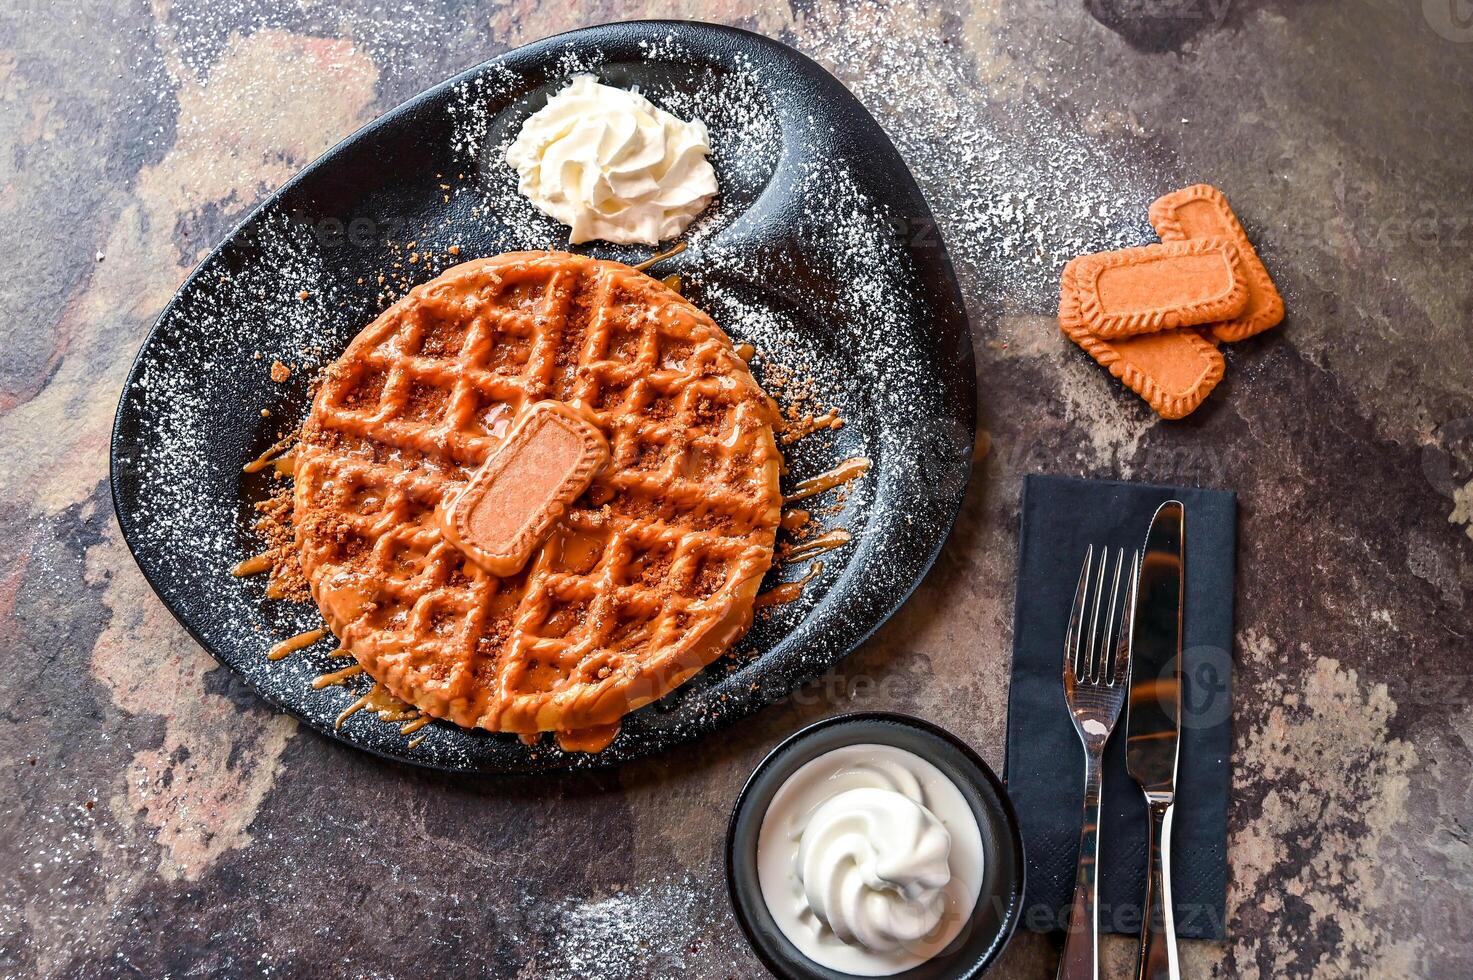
column 1045, row 762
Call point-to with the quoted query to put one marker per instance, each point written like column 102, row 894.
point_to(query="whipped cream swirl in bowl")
column 872, row 864
column 875, row 844
column 612, row 165
column 870, row 859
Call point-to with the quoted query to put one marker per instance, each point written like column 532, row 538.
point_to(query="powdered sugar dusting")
column 1027, row 189
column 268, row 293
column 642, row 931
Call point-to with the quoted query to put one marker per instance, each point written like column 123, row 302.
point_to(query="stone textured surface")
column 159, row 820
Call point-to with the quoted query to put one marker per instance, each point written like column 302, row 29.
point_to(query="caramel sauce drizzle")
column 255, row 565
column 294, row 643
column 794, row 519
column 836, row 538
column 389, row 708
column 336, row 677
column 793, row 431
column 659, row 257
column 354, row 708
column 269, row 456
column 788, row 591
column 850, row 469
column 588, row 739
column 275, row 590
column 377, row 699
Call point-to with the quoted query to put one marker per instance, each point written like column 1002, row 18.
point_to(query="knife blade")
column 1155, row 691
column 1153, row 713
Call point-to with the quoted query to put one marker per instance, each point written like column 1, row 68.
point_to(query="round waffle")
column 650, row 574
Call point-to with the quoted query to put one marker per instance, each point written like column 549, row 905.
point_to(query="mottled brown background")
column 158, row 819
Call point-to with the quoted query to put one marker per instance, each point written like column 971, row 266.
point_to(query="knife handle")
column 1158, row 959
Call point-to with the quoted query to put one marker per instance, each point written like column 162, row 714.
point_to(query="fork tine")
column 1075, row 633
column 1105, row 667
column 1090, row 668
column 1120, row 670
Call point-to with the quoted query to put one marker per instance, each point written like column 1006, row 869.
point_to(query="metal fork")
column 1096, row 677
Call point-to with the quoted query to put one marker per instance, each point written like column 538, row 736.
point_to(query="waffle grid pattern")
column 651, row 574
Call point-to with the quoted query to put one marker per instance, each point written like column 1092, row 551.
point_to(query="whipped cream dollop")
column 872, row 863
column 611, row 165
column 869, row 859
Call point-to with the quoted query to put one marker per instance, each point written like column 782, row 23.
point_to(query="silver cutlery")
column 1096, row 673
column 1152, row 723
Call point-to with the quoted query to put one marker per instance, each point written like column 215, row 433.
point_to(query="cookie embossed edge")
column 1164, row 218
column 593, row 455
column 1223, row 306
column 1167, row 404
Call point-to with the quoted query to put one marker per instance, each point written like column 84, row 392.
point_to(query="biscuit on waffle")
column 649, row 576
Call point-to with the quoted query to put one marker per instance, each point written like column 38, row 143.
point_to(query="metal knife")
column 1152, row 723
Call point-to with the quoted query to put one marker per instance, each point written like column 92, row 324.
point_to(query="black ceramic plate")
column 999, row 903
column 820, row 251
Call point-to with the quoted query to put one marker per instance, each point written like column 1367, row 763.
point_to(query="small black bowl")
column 1000, row 902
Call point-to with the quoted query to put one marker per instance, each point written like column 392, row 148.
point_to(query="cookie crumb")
column 280, row 372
